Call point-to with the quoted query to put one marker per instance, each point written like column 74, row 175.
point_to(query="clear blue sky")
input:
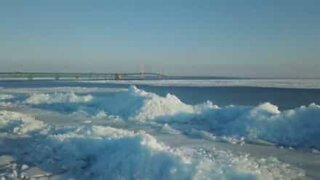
column 263, row 38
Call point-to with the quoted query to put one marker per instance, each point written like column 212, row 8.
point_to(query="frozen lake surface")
column 160, row 129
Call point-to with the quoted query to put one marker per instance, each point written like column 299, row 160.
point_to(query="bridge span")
column 80, row 76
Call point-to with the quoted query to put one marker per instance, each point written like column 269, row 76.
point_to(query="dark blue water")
column 284, row 98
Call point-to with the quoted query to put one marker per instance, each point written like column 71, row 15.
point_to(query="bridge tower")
column 117, row 76
column 142, row 71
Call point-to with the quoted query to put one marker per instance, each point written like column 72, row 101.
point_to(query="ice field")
column 107, row 130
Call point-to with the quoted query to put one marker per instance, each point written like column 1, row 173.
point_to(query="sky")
column 243, row 38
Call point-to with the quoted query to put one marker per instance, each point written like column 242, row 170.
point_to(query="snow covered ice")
column 75, row 133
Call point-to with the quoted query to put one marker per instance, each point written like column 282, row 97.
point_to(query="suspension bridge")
column 80, row 76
